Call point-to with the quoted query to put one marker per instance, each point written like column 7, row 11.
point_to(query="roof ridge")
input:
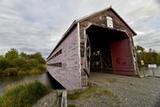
column 82, row 19
column 92, row 14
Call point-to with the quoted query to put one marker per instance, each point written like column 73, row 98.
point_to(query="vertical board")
column 122, row 60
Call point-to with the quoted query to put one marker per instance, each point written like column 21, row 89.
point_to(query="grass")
column 91, row 90
column 23, row 95
column 87, row 92
column 20, row 71
column 78, row 93
column 71, row 105
column 93, row 93
column 74, row 95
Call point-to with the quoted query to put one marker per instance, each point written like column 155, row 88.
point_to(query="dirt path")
column 118, row 91
column 132, row 91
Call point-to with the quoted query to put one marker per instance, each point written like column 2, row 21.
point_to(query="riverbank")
column 16, row 72
column 24, row 94
column 43, row 78
column 14, row 63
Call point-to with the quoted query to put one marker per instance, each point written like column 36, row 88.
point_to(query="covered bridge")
column 100, row 42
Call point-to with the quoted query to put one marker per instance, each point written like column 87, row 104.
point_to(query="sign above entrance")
column 109, row 22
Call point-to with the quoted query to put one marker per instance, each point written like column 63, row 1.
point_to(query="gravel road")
column 132, row 91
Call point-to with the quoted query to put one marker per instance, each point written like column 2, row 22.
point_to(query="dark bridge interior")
column 100, row 43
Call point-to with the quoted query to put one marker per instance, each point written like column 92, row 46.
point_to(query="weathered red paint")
column 122, row 59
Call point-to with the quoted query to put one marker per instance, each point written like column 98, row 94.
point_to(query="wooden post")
column 64, row 99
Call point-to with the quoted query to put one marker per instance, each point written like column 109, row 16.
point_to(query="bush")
column 19, row 62
column 23, row 95
column 13, row 63
column 41, row 67
column 11, row 71
column 4, row 63
column 35, row 71
column 11, row 54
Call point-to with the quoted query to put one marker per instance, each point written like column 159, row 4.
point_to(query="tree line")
column 147, row 57
column 15, row 63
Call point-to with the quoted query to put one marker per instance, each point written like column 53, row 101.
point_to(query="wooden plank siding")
column 69, row 73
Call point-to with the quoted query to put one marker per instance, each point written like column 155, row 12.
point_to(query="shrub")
column 23, row 95
column 19, row 62
column 41, row 67
column 13, row 63
column 11, row 71
column 5, row 63
column 11, row 54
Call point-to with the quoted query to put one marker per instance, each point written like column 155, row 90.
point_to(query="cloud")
column 22, row 29
column 149, row 40
column 37, row 25
column 158, row 1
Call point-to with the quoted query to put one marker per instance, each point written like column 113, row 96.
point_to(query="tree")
column 24, row 55
column 1, row 56
column 38, row 57
column 11, row 54
column 158, row 59
column 139, row 48
column 4, row 63
column 150, row 57
column 13, row 63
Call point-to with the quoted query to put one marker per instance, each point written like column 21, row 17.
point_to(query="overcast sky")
column 37, row 25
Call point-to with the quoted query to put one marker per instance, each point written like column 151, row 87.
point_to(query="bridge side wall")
column 64, row 65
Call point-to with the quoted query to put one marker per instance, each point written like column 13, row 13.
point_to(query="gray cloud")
column 37, row 25
column 158, row 1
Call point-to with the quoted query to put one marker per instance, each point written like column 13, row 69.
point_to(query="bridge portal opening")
column 104, row 49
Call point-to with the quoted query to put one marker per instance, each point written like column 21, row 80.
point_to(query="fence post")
column 64, row 99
